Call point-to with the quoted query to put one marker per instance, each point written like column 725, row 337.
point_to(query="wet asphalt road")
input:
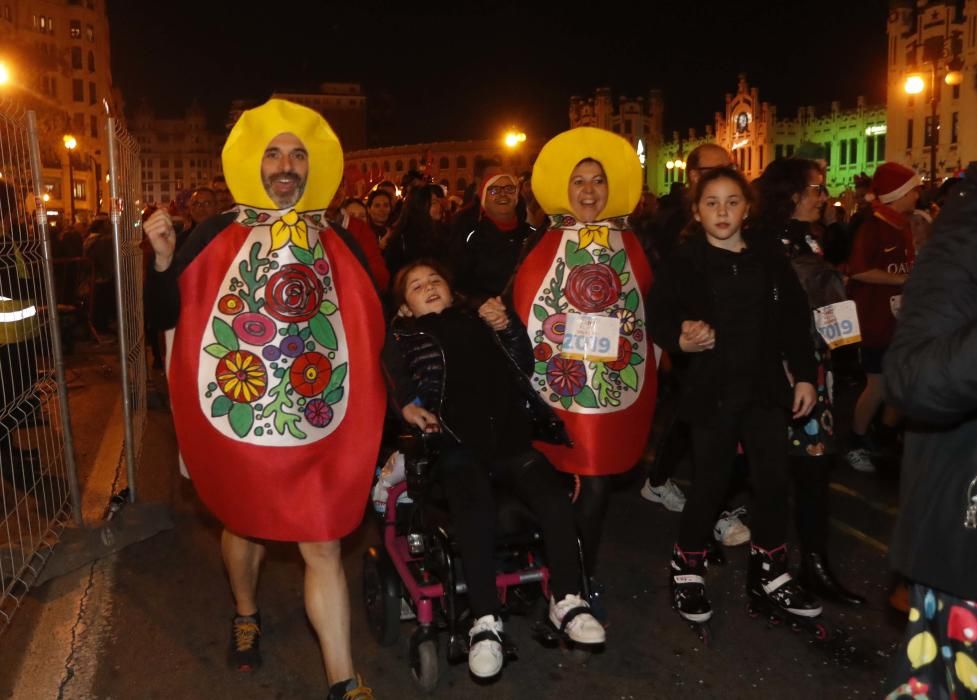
column 170, row 607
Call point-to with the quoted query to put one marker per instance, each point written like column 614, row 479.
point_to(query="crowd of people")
column 698, row 314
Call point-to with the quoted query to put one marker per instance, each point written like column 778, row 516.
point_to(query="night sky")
column 440, row 71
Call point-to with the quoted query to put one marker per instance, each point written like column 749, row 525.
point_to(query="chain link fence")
column 38, row 488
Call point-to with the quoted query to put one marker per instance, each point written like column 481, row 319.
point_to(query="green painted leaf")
column 323, row 332
column 625, row 277
column 539, row 312
column 631, row 300
column 334, row 396
column 318, row 253
column 306, row 333
column 576, row 257
column 586, row 398
column 630, row 377
column 566, row 401
column 216, row 350
column 540, row 368
column 241, row 416
column 328, row 308
column 225, row 334
column 293, row 329
column 221, row 406
column 636, row 359
column 302, row 255
column 336, row 380
column 618, row 261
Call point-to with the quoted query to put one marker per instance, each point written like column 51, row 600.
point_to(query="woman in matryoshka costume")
column 589, row 263
column 275, row 379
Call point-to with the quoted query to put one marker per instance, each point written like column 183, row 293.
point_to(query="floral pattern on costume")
column 273, row 365
column 591, row 274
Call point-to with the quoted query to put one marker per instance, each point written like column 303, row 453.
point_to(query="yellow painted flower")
column 242, row 376
column 594, row 234
column 289, row 228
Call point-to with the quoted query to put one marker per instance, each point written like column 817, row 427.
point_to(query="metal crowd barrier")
column 39, row 491
column 124, row 178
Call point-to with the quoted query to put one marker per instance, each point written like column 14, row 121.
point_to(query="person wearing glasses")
column 792, row 196
column 485, row 257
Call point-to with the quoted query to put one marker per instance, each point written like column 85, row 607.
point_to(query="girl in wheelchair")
column 453, row 374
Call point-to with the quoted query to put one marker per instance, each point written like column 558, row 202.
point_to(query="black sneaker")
column 245, row 654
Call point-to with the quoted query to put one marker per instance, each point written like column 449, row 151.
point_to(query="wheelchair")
column 416, row 572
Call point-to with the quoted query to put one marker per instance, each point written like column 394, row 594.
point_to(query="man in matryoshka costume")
column 275, row 379
column 589, row 264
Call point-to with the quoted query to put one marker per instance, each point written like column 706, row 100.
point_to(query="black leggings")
column 810, row 477
column 588, row 513
column 763, row 433
column 467, row 479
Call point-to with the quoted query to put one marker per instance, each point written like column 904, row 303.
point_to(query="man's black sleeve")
column 162, row 288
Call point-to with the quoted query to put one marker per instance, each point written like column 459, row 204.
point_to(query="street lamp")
column 514, row 138
column 70, row 144
column 915, row 85
column 4, row 73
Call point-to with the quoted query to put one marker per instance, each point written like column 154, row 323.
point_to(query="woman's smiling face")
column 587, row 190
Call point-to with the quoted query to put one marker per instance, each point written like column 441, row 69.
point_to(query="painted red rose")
column 592, row 288
column 543, row 352
column 293, row 294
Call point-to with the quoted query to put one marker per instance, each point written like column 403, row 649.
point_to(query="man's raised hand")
column 158, row 228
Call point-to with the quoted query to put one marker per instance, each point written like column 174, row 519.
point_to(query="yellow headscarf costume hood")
column 249, row 138
column 560, row 155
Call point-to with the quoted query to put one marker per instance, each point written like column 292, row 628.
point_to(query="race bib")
column 592, row 337
column 838, row 324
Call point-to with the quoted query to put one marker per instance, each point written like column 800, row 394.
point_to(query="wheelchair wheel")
column 381, row 596
column 424, row 663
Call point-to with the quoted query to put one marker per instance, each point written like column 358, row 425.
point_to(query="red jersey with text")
column 884, row 242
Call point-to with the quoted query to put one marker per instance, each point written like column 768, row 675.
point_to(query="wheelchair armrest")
column 420, row 452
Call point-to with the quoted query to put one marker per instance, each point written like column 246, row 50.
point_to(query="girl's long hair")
column 776, row 188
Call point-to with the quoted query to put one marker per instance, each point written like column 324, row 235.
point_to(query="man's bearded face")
column 285, row 169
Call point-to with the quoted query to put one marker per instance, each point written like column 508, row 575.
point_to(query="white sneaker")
column 485, row 653
column 583, row 628
column 860, row 460
column 730, row 530
column 668, row 494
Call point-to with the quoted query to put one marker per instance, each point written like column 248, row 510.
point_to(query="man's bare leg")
column 327, row 605
column 242, row 559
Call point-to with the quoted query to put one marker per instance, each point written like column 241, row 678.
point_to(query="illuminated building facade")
column 850, row 141
column 57, row 52
column 929, row 39
column 175, row 154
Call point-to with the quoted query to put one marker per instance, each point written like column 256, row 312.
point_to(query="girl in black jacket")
column 454, row 375
column 732, row 302
column 792, row 196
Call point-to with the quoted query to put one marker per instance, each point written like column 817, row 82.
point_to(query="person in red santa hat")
column 881, row 259
column 485, row 257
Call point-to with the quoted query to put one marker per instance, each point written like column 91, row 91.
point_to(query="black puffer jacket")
column 930, row 373
column 415, row 364
column 683, row 291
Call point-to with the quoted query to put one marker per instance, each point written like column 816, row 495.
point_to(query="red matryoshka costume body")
column 275, row 379
column 596, row 269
